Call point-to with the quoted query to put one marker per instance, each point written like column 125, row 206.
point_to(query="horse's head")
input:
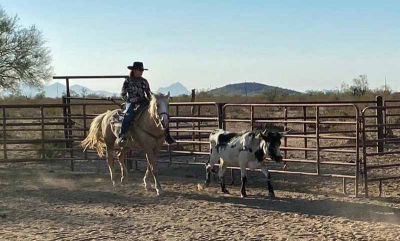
column 272, row 143
column 159, row 109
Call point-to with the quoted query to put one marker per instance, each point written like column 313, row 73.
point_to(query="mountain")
column 58, row 90
column 78, row 89
column 249, row 89
column 175, row 89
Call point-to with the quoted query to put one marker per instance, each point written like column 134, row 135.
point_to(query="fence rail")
column 326, row 139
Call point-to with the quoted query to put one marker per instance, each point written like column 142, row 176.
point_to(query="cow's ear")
column 282, row 134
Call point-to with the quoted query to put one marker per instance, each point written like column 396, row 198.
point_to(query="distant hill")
column 175, row 89
column 251, row 89
column 58, row 90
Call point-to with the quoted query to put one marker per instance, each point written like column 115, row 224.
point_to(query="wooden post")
column 221, row 124
column 43, row 135
column 379, row 122
column 4, row 133
column 252, row 117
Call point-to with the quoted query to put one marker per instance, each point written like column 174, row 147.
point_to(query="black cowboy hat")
column 137, row 65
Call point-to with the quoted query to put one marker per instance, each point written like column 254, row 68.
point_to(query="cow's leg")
column 210, row 166
column 221, row 172
column 243, row 176
column 122, row 164
column 268, row 176
column 147, row 177
column 110, row 162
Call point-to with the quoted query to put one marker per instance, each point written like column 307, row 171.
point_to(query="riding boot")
column 129, row 116
column 168, row 138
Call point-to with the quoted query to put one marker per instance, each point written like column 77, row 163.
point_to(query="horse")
column 146, row 133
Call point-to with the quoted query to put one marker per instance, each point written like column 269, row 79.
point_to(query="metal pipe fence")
column 383, row 164
column 326, row 139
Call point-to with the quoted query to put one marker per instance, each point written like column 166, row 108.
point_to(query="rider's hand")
column 133, row 100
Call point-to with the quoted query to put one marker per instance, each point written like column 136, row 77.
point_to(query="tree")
column 270, row 93
column 360, row 85
column 24, row 59
column 84, row 92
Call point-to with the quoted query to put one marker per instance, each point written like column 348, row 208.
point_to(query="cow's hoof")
column 226, row 191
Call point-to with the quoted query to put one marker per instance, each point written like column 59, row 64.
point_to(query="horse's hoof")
column 243, row 195
column 160, row 192
column 271, row 195
column 226, row 192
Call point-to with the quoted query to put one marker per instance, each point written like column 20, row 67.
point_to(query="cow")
column 244, row 150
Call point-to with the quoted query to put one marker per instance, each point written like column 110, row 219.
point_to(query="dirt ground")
column 48, row 202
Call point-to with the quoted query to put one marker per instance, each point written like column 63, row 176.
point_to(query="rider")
column 136, row 93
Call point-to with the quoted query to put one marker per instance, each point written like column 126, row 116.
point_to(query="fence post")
column 220, row 116
column 379, row 122
column 4, row 133
column 42, row 130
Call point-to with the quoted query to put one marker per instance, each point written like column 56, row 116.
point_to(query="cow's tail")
column 93, row 139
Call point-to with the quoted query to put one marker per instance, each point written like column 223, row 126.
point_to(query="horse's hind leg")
column 110, row 162
column 122, row 164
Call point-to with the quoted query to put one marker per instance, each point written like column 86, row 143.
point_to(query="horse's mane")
column 153, row 104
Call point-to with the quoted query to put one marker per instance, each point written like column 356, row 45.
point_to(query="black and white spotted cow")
column 246, row 150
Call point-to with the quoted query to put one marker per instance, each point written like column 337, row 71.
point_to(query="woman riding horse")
column 136, row 93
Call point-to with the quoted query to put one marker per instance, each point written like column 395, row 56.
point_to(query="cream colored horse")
column 146, row 133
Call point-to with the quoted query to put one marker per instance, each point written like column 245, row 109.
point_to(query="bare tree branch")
column 24, row 58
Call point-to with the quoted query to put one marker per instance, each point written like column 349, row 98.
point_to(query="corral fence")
column 356, row 141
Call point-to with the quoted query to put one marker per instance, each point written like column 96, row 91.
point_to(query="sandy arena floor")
column 48, row 202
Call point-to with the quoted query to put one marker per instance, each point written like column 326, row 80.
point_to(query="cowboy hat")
column 137, row 65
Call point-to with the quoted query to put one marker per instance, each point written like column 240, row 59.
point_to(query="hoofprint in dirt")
column 48, row 202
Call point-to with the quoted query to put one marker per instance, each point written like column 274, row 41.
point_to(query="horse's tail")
column 93, row 139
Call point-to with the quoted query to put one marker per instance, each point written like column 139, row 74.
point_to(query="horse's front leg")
column 147, row 177
column 122, row 164
column 110, row 161
column 152, row 161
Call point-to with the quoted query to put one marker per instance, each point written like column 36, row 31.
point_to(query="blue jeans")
column 131, row 109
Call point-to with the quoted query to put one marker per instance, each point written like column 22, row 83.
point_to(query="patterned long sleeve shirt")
column 135, row 88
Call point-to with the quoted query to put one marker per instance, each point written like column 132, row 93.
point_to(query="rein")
column 157, row 137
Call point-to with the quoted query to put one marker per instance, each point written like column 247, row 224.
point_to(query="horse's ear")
column 169, row 94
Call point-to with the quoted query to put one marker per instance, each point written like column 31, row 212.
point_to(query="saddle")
column 118, row 116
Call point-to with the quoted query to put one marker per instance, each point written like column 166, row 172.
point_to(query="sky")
column 298, row 44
